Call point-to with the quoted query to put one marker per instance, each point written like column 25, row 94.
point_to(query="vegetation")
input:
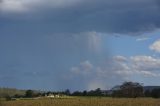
column 155, row 93
column 10, row 92
column 29, row 94
column 127, row 94
column 96, row 92
column 85, row 101
column 129, row 90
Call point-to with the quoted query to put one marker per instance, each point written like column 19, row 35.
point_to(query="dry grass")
column 85, row 101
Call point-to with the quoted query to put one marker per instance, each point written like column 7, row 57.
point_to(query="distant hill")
column 145, row 88
column 150, row 88
column 11, row 92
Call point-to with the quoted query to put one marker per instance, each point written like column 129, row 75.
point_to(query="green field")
column 84, row 101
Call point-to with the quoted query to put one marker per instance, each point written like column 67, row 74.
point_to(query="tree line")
column 126, row 89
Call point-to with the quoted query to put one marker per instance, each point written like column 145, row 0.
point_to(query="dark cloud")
column 111, row 16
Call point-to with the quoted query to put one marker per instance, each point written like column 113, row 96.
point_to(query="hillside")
column 10, row 92
column 150, row 88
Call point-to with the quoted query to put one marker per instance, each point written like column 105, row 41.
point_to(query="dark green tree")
column 84, row 93
column 67, row 92
column 129, row 90
column 77, row 93
column 29, row 94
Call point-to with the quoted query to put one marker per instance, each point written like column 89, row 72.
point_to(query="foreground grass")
column 83, row 101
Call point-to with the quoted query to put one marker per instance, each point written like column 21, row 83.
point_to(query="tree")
column 67, row 92
column 129, row 89
column 132, row 89
column 84, row 93
column 77, row 93
column 96, row 92
column 29, row 94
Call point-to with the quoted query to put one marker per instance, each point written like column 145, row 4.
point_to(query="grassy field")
column 84, row 101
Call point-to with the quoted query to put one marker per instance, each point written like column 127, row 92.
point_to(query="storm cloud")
column 109, row 16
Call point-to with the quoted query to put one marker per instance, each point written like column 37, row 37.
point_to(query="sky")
column 79, row 44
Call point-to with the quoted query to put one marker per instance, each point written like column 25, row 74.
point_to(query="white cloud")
column 148, row 73
column 30, row 5
column 155, row 46
column 75, row 70
column 142, row 39
column 120, row 58
column 145, row 63
column 137, row 65
column 86, row 65
column 16, row 5
column 83, row 68
column 119, row 68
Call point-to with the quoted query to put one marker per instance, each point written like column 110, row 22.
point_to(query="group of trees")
column 127, row 89
column 96, row 92
column 31, row 93
column 134, row 89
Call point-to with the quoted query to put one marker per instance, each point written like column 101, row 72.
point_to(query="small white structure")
column 57, row 96
column 53, row 96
